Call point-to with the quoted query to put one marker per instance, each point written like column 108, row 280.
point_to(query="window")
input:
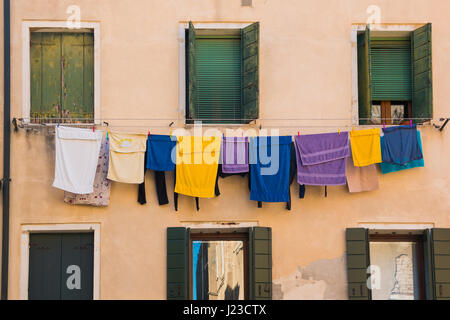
column 404, row 264
column 222, row 74
column 218, row 264
column 400, row 263
column 62, row 76
column 394, row 76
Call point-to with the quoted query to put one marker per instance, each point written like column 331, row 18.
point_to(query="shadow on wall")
column 320, row 280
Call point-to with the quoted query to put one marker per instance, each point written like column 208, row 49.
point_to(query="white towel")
column 77, row 152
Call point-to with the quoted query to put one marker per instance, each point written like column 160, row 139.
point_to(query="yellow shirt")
column 366, row 147
column 126, row 157
column 197, row 164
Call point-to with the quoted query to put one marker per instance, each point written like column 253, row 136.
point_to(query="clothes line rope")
column 201, row 120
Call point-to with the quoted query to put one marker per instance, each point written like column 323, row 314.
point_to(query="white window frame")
column 354, row 43
column 182, row 26
column 57, row 228
column 59, row 26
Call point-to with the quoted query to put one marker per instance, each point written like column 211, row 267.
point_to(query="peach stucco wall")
column 305, row 72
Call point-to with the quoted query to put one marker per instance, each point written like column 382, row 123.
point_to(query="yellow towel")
column 197, row 164
column 366, row 148
column 126, row 157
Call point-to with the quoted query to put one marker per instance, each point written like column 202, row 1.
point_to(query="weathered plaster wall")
column 305, row 73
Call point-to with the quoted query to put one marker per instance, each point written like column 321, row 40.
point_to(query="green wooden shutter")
column 422, row 73
column 364, row 89
column 62, row 75
column 440, row 263
column 260, row 263
column 192, row 72
column 357, row 263
column 178, row 263
column 45, row 54
column 218, row 62
column 250, row 72
column 390, row 70
column 428, row 265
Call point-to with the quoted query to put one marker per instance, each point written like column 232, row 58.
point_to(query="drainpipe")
column 6, row 146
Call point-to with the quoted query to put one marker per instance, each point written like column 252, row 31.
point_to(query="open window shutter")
column 422, row 73
column 364, row 93
column 440, row 264
column 357, row 263
column 260, row 263
column 178, row 263
column 192, row 73
column 250, row 72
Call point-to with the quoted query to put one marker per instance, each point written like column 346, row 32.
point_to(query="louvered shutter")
column 250, row 72
column 358, row 261
column 364, row 89
column 218, row 62
column 178, row 263
column 390, row 66
column 422, row 96
column 260, row 263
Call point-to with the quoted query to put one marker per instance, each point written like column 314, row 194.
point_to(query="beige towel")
column 361, row 179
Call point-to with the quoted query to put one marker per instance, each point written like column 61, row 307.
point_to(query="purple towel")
column 321, row 158
column 234, row 155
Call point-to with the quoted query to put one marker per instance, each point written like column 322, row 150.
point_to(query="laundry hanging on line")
column 102, row 186
column 365, row 146
column 77, row 152
column 401, row 145
column 321, row 158
column 126, row 157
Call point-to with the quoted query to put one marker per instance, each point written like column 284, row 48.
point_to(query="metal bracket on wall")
column 443, row 126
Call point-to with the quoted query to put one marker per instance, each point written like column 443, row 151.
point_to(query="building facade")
column 299, row 67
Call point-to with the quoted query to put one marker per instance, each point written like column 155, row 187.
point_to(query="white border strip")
column 26, row 73
column 25, row 251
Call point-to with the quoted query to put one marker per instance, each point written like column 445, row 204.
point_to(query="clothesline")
column 202, row 120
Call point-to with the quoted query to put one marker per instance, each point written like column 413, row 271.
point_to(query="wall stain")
column 320, row 280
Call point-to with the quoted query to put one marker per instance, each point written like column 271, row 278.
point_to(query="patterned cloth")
column 100, row 196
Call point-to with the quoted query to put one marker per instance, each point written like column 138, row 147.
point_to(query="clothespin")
column 410, row 123
column 107, row 135
column 149, row 133
column 339, row 131
column 384, row 125
column 298, row 133
column 93, row 128
column 170, row 133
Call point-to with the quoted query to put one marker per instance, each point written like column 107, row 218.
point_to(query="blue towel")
column 400, row 145
column 159, row 152
column 269, row 172
column 387, row 167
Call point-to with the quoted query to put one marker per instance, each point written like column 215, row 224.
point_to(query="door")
column 61, row 266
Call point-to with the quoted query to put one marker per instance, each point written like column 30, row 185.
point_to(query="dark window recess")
column 394, row 78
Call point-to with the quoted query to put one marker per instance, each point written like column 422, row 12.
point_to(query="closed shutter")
column 390, row 65
column 61, row 266
column 250, row 72
column 62, row 75
column 358, row 261
column 260, row 263
column 440, row 263
column 364, row 95
column 178, row 263
column 422, row 73
column 218, row 63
